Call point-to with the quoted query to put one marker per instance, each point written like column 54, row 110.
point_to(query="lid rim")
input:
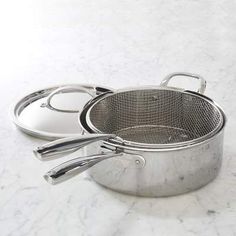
column 19, row 105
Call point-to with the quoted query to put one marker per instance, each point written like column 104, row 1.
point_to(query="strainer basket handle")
column 202, row 86
column 77, row 88
column 67, row 145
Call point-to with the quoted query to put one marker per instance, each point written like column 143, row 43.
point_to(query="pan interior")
column 155, row 116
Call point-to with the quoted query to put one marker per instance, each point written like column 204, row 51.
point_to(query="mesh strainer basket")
column 156, row 117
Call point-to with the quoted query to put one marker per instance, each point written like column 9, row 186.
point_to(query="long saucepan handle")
column 66, row 145
column 75, row 166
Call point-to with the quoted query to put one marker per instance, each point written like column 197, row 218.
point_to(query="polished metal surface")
column 65, row 145
column 166, row 171
column 202, row 86
column 67, row 89
column 78, row 165
column 144, row 173
column 75, row 166
column 32, row 116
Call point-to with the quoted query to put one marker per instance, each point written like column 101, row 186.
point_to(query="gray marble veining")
column 117, row 44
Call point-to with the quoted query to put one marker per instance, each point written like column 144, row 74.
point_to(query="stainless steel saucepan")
column 159, row 141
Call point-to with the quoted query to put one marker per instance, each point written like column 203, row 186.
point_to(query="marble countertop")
column 117, row 44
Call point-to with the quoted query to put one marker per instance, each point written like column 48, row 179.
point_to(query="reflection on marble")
column 117, row 44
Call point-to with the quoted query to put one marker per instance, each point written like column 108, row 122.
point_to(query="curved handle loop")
column 201, row 89
column 67, row 89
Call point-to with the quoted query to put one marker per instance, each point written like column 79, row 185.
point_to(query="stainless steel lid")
column 52, row 113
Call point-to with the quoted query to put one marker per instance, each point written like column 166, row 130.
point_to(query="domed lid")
column 52, row 113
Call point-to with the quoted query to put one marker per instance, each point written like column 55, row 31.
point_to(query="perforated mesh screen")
column 155, row 116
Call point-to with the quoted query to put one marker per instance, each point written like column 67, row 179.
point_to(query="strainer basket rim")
column 128, row 143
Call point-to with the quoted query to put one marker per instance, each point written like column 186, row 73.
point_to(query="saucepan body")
column 152, row 142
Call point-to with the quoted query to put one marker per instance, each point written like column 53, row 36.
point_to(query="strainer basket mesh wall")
column 156, row 116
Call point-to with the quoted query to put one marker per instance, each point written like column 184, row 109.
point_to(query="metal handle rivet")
column 137, row 162
column 43, row 105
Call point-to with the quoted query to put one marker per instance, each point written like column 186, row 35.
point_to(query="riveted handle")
column 65, row 145
column 75, row 166
column 67, row 89
column 202, row 86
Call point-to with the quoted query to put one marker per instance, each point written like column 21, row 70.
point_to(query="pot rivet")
column 43, row 105
column 154, row 98
column 137, row 162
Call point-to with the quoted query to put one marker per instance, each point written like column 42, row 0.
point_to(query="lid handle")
column 67, row 89
column 202, row 87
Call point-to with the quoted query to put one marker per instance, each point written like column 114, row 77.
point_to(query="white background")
column 117, row 44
